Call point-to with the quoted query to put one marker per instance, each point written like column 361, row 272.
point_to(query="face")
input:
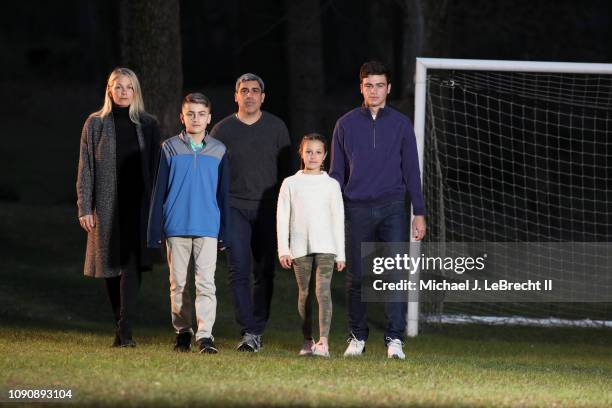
column 195, row 117
column 122, row 91
column 313, row 154
column 249, row 97
column 375, row 89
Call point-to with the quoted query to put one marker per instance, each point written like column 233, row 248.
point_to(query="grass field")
column 56, row 333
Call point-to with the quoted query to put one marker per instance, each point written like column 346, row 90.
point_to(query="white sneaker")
column 355, row 347
column 394, row 349
column 306, row 349
column 320, row 350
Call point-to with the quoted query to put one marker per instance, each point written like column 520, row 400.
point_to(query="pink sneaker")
column 306, row 349
column 320, row 350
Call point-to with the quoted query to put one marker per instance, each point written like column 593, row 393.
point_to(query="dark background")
column 57, row 56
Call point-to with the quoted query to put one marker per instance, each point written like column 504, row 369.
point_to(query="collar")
column 194, row 146
column 366, row 111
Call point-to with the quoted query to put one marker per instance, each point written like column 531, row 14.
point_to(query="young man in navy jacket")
column 374, row 158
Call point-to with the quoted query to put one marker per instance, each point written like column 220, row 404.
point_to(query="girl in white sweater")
column 310, row 228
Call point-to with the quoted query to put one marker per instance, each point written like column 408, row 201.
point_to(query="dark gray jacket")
column 97, row 190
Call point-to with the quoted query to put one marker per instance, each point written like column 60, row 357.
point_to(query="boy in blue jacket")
column 189, row 209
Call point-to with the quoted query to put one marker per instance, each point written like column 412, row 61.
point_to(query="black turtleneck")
column 130, row 183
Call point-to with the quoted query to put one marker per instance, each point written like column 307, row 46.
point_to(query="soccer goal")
column 514, row 151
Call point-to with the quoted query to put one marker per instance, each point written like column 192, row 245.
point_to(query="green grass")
column 56, row 333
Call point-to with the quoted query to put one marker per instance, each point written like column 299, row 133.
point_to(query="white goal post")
column 423, row 65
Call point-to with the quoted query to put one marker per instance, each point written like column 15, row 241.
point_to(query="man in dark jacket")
column 258, row 145
column 374, row 158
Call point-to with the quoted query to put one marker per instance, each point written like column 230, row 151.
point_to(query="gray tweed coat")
column 97, row 190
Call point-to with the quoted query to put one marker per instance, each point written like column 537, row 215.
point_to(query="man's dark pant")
column 253, row 240
column 386, row 223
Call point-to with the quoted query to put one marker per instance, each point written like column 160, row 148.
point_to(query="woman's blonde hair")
column 137, row 106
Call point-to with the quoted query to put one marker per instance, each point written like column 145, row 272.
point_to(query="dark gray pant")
column 252, row 257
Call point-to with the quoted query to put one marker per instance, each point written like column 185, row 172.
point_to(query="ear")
column 182, row 118
column 209, row 118
column 389, row 89
column 263, row 96
column 236, row 97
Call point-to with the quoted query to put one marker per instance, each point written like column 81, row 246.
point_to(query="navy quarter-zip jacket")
column 376, row 160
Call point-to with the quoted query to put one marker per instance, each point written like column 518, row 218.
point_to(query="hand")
column 88, row 222
column 418, row 227
column 340, row 266
column 285, row 261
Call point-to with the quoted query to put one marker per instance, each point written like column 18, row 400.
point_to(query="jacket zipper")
column 374, row 130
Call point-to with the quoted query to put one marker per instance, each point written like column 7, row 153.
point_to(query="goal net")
column 515, row 152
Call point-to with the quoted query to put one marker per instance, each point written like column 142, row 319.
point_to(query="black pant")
column 253, row 240
column 122, row 293
column 385, row 223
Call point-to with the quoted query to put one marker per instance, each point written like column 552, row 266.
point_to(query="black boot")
column 124, row 335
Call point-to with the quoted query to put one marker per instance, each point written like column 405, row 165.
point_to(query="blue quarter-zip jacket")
column 191, row 196
column 376, row 160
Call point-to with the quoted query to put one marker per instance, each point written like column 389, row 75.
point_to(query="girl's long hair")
column 307, row 138
column 137, row 105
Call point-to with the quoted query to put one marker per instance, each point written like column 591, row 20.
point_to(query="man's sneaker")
column 251, row 343
column 307, row 346
column 183, row 342
column 207, row 345
column 394, row 349
column 355, row 348
column 320, row 350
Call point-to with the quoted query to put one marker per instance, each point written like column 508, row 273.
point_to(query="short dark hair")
column 374, row 68
column 197, row 97
column 250, row 77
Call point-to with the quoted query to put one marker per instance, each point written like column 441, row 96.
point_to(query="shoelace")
column 254, row 338
column 396, row 342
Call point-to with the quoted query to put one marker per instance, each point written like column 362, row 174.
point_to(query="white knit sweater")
column 310, row 216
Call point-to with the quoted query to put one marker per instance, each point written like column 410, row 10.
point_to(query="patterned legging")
column 323, row 266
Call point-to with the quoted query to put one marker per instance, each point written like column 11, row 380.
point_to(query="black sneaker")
column 183, row 342
column 207, row 345
column 251, row 343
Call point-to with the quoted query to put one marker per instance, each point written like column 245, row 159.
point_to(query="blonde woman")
column 119, row 149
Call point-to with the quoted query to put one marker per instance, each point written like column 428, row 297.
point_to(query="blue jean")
column 252, row 250
column 385, row 223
